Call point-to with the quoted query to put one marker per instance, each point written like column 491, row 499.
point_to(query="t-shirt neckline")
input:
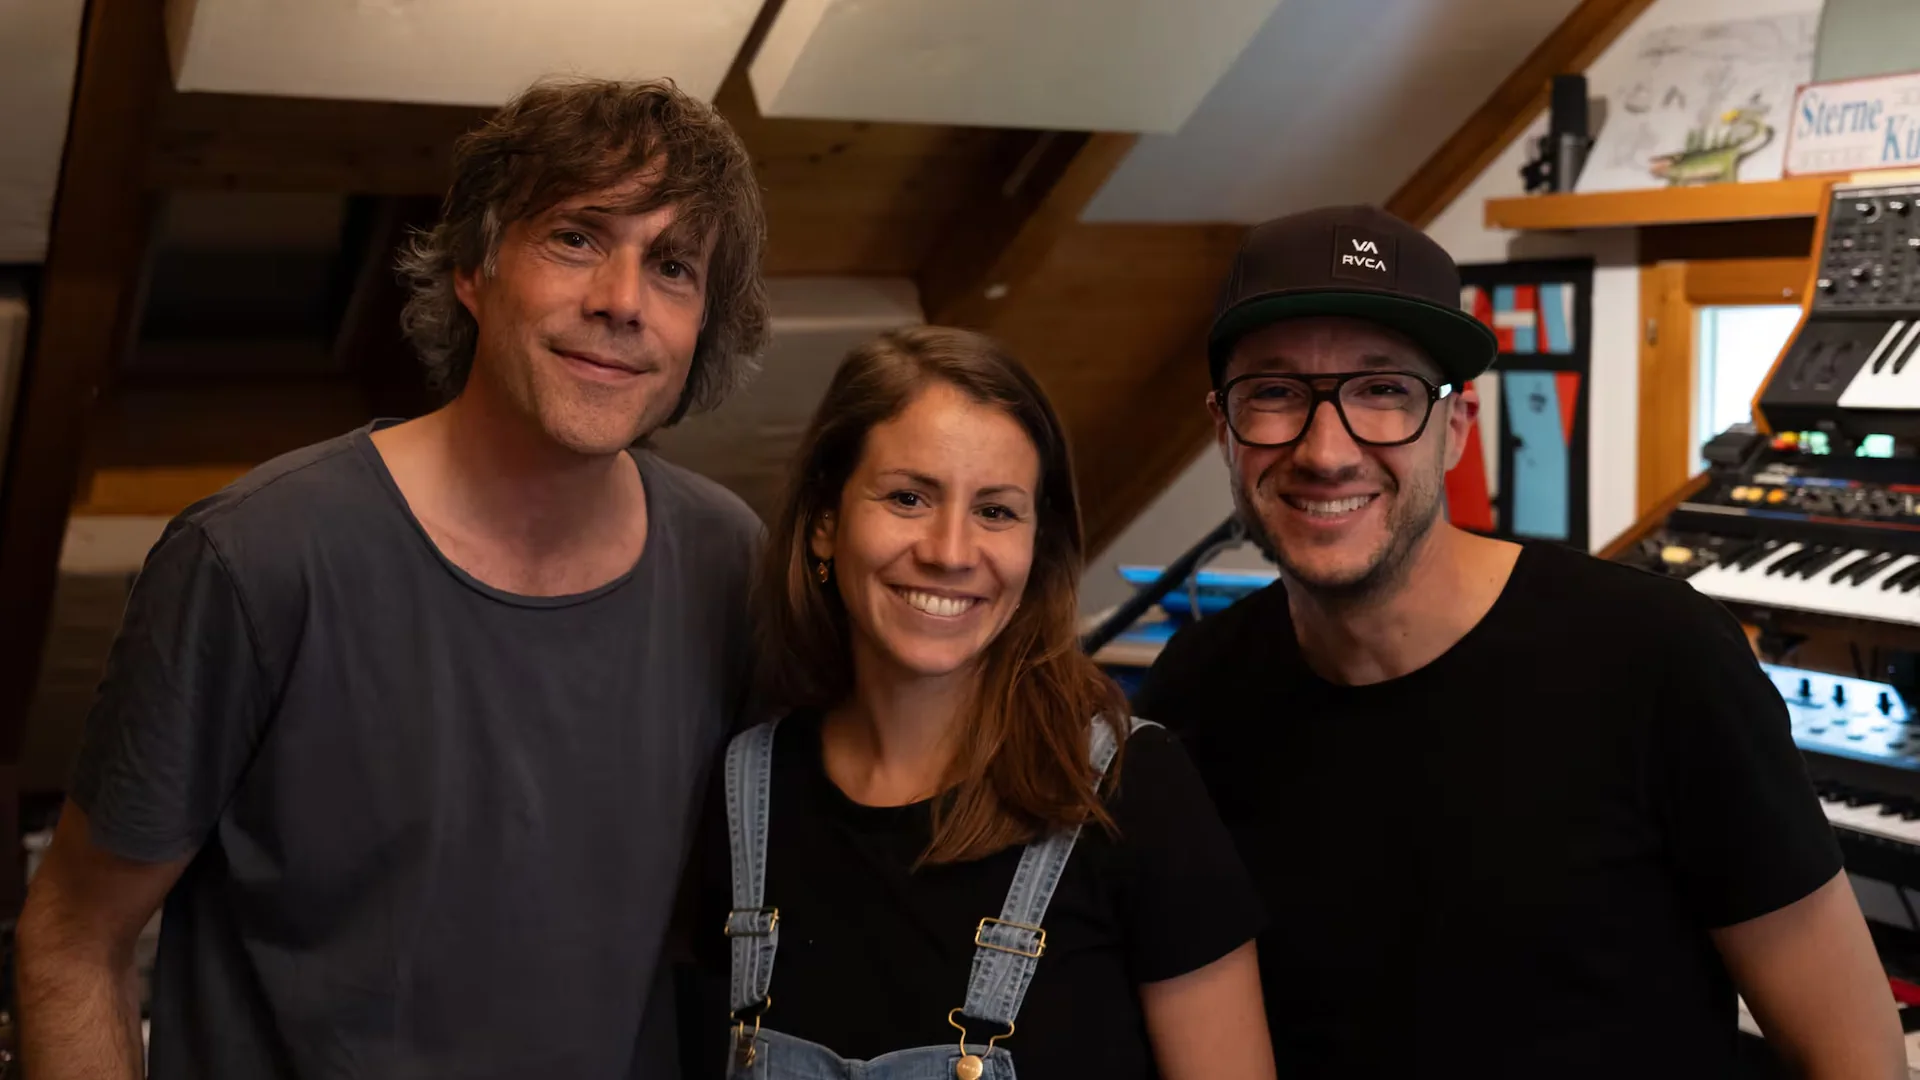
column 907, row 816
column 1461, row 651
column 363, row 443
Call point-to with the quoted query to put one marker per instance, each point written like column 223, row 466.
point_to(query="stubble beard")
column 1409, row 521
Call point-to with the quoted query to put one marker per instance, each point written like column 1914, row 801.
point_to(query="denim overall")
column 1007, row 948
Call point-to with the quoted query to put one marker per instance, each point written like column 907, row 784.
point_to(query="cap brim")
column 1460, row 344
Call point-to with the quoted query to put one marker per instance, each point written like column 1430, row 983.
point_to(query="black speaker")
column 1563, row 152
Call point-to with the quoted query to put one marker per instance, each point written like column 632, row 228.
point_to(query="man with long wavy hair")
column 405, row 728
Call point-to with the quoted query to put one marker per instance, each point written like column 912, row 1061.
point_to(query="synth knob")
column 1898, row 206
column 1885, row 703
column 1858, row 273
column 1826, row 284
column 1839, row 694
column 1913, row 241
column 1806, row 688
column 1866, row 209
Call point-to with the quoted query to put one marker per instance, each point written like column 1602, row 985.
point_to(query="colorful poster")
column 1556, row 318
column 1540, row 427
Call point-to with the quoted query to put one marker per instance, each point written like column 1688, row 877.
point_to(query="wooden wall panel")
column 842, row 197
column 239, row 142
column 849, row 197
column 1113, row 324
column 1665, row 457
column 220, row 422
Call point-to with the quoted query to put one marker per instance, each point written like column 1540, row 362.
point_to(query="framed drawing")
column 1524, row 473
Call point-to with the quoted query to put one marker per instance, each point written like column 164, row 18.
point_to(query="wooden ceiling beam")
column 999, row 239
column 1579, row 40
column 102, row 218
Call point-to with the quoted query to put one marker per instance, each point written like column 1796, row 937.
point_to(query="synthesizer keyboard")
column 1854, row 365
column 1786, row 530
column 1835, row 579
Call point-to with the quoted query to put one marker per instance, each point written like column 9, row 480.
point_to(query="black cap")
column 1358, row 261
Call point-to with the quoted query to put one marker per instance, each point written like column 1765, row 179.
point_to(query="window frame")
column 1672, row 292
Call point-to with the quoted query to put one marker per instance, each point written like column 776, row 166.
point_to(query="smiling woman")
column 935, row 826
column 935, row 491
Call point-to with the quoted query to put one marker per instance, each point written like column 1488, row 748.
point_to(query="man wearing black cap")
column 1515, row 811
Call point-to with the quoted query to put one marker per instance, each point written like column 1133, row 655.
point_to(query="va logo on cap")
column 1368, row 256
column 1363, row 256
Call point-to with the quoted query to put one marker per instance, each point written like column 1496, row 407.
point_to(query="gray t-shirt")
column 439, row 826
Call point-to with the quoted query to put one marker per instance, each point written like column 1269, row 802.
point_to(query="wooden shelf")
column 1796, row 198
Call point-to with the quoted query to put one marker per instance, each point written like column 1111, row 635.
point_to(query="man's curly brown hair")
column 562, row 138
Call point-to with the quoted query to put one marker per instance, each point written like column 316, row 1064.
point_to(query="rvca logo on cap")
column 1364, row 256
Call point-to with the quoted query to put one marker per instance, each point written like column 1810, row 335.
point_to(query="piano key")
column 1790, row 562
column 1866, row 818
column 1757, row 554
column 1897, row 358
column 1828, row 558
column 1887, row 380
column 1874, row 361
column 1770, row 582
column 1850, row 566
column 1871, row 567
column 1898, row 579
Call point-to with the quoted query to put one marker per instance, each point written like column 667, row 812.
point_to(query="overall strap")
column 1008, row 949
column 753, row 930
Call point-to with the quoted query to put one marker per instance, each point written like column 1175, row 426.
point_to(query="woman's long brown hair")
column 1021, row 766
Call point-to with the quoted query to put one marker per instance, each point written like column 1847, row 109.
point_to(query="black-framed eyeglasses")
column 1378, row 408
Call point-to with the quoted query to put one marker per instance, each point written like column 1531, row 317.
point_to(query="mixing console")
column 1870, row 256
column 1848, row 717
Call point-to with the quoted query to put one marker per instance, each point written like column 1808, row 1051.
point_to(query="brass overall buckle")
column 1039, row 936
column 971, row 1066
column 744, row 1050
column 749, row 920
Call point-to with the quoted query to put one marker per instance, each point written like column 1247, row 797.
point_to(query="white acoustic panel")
column 448, row 52
column 39, row 51
column 1098, row 65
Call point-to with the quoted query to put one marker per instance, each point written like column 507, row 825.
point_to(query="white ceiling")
column 1334, row 101
column 449, row 52
column 39, row 48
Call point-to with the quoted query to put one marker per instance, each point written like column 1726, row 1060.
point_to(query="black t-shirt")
column 873, row 953
column 1507, row 861
column 435, row 824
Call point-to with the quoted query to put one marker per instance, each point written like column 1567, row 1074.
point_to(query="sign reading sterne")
column 1855, row 126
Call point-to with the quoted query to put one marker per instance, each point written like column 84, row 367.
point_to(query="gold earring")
column 822, row 569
